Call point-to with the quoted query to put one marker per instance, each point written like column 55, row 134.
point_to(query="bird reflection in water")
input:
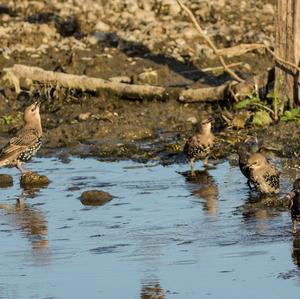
column 296, row 250
column 30, row 220
column 258, row 209
column 152, row 290
column 204, row 187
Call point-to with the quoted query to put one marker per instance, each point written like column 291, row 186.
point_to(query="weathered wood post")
column 287, row 47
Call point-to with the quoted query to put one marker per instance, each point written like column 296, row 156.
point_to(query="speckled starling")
column 263, row 175
column 27, row 141
column 199, row 146
column 244, row 152
column 295, row 205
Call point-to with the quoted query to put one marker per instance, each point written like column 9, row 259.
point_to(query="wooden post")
column 287, row 46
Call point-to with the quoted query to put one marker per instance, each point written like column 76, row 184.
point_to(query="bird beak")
column 39, row 102
column 208, row 120
column 250, row 164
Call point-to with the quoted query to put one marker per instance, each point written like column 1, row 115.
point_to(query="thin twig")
column 212, row 69
column 263, row 106
column 209, row 42
column 244, row 48
column 281, row 60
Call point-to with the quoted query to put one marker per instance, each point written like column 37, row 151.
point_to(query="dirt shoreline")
column 110, row 40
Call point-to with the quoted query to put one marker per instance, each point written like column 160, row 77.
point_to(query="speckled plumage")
column 244, row 152
column 263, row 175
column 295, row 205
column 199, row 146
column 27, row 141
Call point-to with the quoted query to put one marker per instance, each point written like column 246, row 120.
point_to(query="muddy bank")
column 148, row 42
column 108, row 127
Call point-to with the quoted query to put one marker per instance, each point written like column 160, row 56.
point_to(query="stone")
column 84, row 116
column 6, row 180
column 173, row 7
column 268, row 9
column 148, row 77
column 95, row 197
column 98, row 36
column 192, row 119
column 121, row 79
column 190, row 33
column 101, row 26
column 33, row 179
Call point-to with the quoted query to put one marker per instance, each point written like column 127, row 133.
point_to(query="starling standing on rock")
column 263, row 175
column 295, row 205
column 27, row 142
column 199, row 146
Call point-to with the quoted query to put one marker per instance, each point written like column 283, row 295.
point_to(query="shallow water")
column 164, row 235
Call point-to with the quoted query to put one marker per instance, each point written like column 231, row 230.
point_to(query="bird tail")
column 3, row 162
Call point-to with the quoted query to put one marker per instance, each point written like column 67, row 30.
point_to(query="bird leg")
column 249, row 184
column 294, row 226
column 22, row 169
column 20, row 202
column 192, row 164
column 205, row 161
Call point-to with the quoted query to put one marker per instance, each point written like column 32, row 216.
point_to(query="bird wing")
column 25, row 138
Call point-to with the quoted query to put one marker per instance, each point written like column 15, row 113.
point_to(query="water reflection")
column 296, row 251
column 152, row 290
column 30, row 220
column 203, row 186
column 258, row 209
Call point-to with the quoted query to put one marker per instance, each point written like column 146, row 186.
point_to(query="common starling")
column 244, row 152
column 263, row 175
column 199, row 146
column 27, row 142
column 295, row 205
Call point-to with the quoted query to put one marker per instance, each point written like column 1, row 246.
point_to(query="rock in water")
column 95, row 197
column 6, row 180
column 33, row 179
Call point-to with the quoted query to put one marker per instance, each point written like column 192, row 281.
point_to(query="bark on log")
column 18, row 72
column 287, row 47
column 204, row 94
column 259, row 82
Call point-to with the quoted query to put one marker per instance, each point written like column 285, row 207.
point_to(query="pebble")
column 268, row 9
column 101, row 26
column 6, row 180
column 33, row 179
column 148, row 77
column 84, row 116
column 95, row 197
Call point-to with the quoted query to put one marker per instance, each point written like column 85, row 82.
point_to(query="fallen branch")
column 209, row 42
column 259, row 82
column 16, row 75
column 213, row 68
column 244, row 48
column 30, row 73
column 240, row 49
column 204, row 94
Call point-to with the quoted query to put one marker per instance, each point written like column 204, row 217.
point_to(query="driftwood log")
column 204, row 94
column 17, row 75
column 35, row 74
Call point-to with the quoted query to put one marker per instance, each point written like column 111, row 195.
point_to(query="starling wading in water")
column 199, row 146
column 263, row 175
column 27, row 141
column 295, row 205
column 244, row 154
